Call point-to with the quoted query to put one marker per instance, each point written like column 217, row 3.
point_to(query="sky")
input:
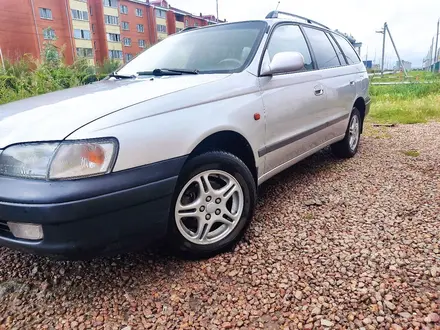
column 413, row 23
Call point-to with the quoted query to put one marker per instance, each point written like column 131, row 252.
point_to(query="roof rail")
column 275, row 13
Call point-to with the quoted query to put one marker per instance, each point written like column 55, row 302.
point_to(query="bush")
column 29, row 77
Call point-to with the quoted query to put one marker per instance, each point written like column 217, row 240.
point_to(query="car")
column 172, row 147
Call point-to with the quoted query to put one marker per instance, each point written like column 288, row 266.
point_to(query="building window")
column 123, row 9
column 84, row 52
column 127, row 41
column 196, row 24
column 139, row 12
column 161, row 13
column 80, row 15
column 125, row 26
column 115, row 54
column 94, row 44
column 161, row 28
column 111, row 20
column 140, row 28
column 81, row 34
column 45, row 13
column 49, row 34
column 110, row 3
column 186, row 23
column 90, row 11
column 93, row 28
column 113, row 37
column 128, row 57
column 141, row 43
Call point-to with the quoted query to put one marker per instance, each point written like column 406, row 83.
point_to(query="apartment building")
column 94, row 29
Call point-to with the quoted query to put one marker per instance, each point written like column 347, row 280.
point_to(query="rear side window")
column 289, row 38
column 324, row 52
column 350, row 53
column 338, row 50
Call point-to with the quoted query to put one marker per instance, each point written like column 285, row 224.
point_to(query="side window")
column 324, row 52
column 338, row 50
column 350, row 53
column 289, row 38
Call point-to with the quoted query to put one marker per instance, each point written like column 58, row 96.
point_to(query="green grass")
column 412, row 76
column 405, row 104
column 411, row 153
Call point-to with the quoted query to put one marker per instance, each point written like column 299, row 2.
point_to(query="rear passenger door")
column 293, row 102
column 336, row 78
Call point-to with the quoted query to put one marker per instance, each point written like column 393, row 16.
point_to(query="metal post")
column 3, row 61
column 217, row 11
column 397, row 53
column 431, row 59
column 383, row 46
column 436, row 45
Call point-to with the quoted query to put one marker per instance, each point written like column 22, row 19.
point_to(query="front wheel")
column 214, row 201
column 348, row 147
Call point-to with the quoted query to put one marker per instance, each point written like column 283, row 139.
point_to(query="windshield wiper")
column 167, row 72
column 120, row 76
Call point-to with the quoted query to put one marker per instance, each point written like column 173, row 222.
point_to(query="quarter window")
column 350, row 54
column 324, row 53
column 289, row 38
column 337, row 49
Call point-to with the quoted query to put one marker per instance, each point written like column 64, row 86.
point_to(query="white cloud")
column 412, row 23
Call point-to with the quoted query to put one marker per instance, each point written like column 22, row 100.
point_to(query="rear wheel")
column 213, row 203
column 348, row 147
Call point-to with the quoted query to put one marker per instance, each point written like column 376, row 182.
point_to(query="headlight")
column 59, row 160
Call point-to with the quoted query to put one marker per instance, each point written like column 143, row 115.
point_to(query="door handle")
column 352, row 83
column 319, row 92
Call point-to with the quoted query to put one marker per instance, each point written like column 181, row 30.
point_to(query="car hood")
column 56, row 115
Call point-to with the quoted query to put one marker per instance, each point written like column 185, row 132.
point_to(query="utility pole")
column 383, row 48
column 397, row 53
column 217, row 11
column 431, row 59
column 436, row 46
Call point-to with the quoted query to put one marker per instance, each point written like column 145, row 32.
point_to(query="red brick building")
column 95, row 29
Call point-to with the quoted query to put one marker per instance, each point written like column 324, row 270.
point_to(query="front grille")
column 4, row 229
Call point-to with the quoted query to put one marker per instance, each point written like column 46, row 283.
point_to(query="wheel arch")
column 361, row 106
column 228, row 141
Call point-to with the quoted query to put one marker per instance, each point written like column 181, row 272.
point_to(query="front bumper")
column 95, row 216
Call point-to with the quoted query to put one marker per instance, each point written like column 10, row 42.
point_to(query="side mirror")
column 282, row 63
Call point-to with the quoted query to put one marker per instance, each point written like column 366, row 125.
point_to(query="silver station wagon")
column 172, row 147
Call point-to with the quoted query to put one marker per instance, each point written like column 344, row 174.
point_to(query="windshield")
column 218, row 49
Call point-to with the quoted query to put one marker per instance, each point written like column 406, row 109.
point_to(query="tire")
column 348, row 147
column 196, row 229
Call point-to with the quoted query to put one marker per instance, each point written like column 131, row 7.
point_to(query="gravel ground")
column 341, row 244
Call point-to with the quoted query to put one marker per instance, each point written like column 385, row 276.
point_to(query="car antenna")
column 276, row 9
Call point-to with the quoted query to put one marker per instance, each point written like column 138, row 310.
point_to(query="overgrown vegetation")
column 406, row 103
column 30, row 77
